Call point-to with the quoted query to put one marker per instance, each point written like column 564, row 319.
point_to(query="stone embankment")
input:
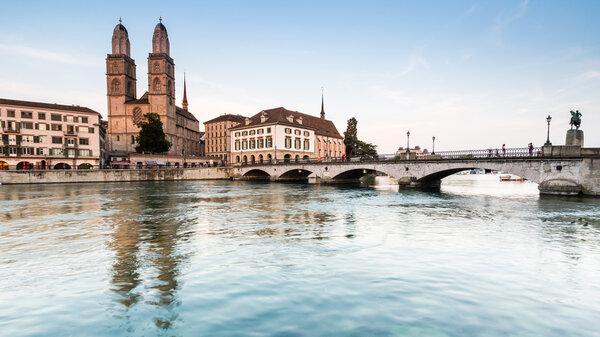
column 102, row 176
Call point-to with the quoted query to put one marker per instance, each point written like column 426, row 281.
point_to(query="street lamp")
column 408, row 142
column 433, row 147
column 548, row 119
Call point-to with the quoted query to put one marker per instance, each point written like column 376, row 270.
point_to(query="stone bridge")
column 558, row 173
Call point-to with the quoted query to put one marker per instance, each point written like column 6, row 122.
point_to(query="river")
column 221, row 258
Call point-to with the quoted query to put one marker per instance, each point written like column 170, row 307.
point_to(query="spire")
column 184, row 104
column 120, row 21
column 322, row 105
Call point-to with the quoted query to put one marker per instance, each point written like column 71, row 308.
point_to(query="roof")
column 141, row 100
column 323, row 127
column 185, row 114
column 52, row 106
column 120, row 27
column 227, row 117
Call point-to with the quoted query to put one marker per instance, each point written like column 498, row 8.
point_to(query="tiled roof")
column 227, row 117
column 322, row 127
column 52, row 106
column 185, row 114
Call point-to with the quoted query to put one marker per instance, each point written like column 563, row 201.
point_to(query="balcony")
column 70, row 132
column 11, row 130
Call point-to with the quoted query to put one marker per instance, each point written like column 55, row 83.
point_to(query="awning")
column 160, row 163
column 150, row 162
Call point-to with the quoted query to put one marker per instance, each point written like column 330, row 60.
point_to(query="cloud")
column 501, row 23
column 50, row 55
column 415, row 61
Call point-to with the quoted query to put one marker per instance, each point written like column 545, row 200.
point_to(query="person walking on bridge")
column 503, row 150
column 530, row 146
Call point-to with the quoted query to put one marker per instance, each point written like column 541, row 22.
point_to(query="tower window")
column 156, row 85
column 156, row 67
column 115, row 68
column 116, row 86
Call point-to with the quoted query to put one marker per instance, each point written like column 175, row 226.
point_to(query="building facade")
column 38, row 135
column 284, row 135
column 218, row 137
column 126, row 111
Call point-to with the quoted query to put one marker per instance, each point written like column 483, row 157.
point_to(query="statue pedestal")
column 574, row 137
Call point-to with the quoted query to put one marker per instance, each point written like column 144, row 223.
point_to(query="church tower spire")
column 322, row 105
column 184, row 103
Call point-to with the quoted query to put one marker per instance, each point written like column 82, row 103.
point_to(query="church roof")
column 120, row 28
column 322, row 127
column 51, row 106
column 185, row 114
column 141, row 100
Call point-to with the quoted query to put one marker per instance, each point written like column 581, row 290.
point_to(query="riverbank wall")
column 105, row 176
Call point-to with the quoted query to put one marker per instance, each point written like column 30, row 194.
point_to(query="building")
column 281, row 134
column 202, row 144
column 218, row 137
column 38, row 135
column 126, row 111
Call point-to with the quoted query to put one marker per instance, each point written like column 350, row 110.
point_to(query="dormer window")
column 247, row 120
column 290, row 118
column 299, row 120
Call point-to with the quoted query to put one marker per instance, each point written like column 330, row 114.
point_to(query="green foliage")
column 354, row 146
column 152, row 138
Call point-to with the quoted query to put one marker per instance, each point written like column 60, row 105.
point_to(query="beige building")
column 217, row 141
column 284, row 135
column 49, row 136
column 125, row 110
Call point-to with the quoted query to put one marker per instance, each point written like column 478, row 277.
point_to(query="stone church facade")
column 125, row 110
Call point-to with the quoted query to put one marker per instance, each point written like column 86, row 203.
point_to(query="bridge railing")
column 491, row 154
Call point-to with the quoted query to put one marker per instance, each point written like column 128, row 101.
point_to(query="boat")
column 510, row 177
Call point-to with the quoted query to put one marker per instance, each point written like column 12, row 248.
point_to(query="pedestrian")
column 503, row 150
column 530, row 146
column 497, row 154
column 489, row 153
column 344, row 157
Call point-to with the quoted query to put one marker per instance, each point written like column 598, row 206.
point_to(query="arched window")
column 156, row 85
column 116, row 86
column 156, row 67
column 129, row 88
column 132, row 139
column 170, row 88
column 137, row 115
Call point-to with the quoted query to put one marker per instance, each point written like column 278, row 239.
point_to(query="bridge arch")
column 521, row 171
column 295, row 175
column 257, row 174
column 356, row 173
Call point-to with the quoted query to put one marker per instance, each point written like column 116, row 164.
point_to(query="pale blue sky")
column 475, row 74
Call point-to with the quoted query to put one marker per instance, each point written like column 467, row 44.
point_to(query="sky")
column 474, row 74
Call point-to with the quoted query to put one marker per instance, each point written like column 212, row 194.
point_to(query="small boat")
column 510, row 177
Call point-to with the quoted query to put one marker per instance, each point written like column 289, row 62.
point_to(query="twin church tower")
column 125, row 110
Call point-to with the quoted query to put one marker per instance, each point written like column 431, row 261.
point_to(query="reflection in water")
column 477, row 257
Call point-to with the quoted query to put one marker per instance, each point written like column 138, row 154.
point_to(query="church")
column 126, row 110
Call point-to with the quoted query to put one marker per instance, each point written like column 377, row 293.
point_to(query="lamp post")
column 548, row 119
column 433, row 147
column 408, row 142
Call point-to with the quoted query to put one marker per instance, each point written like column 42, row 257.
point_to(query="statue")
column 575, row 119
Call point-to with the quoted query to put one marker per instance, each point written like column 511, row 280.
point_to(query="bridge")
column 558, row 170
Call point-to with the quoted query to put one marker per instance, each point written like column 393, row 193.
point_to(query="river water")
column 223, row 258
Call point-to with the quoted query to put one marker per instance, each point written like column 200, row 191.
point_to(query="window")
column 244, row 133
column 27, row 125
column 297, row 132
column 237, row 134
column 116, row 87
column 75, row 119
column 268, row 130
column 237, row 146
column 64, row 118
column 27, row 114
column 56, row 140
column 115, row 68
column 84, row 141
column 84, row 120
column 84, row 152
column 12, row 150
column 56, row 127
column 156, row 85
column 306, row 133
column 297, row 143
column 269, row 142
column 27, row 150
column 252, row 143
column 261, row 143
column 42, row 115
column 306, row 144
column 39, row 151
column 288, row 130
column 132, row 139
column 244, row 145
column 260, row 131
column 252, row 132
column 91, row 130
column 156, row 67
column 288, row 142
column 55, row 152
column 10, row 113
column 55, row 117
column 43, row 126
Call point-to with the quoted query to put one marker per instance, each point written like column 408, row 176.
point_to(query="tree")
column 354, row 146
column 152, row 137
